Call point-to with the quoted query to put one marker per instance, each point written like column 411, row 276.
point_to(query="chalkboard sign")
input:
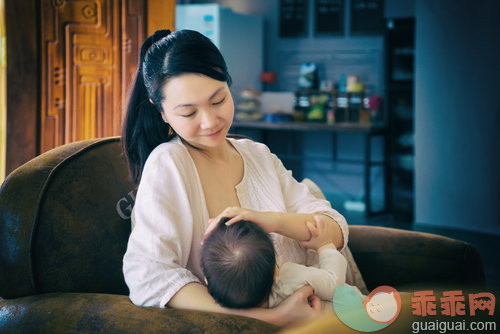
column 367, row 17
column 293, row 18
column 328, row 17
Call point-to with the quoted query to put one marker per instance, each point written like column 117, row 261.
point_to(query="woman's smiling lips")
column 214, row 134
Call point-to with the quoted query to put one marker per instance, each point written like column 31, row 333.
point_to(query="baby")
column 240, row 269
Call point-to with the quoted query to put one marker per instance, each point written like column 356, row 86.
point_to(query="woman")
column 190, row 174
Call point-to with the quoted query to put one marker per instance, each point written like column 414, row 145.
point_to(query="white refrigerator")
column 239, row 37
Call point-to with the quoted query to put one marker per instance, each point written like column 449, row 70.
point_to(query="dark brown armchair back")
column 65, row 221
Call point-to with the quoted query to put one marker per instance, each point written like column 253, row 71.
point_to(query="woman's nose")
column 208, row 119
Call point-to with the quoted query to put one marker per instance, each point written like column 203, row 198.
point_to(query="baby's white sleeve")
column 323, row 280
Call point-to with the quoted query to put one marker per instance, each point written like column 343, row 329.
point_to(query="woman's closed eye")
column 189, row 114
column 220, row 101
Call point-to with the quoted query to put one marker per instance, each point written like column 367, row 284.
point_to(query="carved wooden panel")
column 88, row 54
column 133, row 34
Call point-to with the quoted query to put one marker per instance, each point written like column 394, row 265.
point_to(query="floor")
column 488, row 245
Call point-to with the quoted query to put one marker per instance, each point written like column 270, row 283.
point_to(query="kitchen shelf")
column 294, row 161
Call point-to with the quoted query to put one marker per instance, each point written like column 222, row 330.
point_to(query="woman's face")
column 200, row 109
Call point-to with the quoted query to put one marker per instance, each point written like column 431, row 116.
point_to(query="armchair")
column 64, row 226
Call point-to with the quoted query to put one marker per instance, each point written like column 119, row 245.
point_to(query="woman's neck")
column 222, row 153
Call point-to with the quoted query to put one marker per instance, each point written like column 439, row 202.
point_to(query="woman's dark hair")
column 238, row 262
column 164, row 55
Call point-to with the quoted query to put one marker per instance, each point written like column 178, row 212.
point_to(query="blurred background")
column 391, row 106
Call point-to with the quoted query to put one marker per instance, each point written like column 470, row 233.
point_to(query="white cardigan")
column 170, row 217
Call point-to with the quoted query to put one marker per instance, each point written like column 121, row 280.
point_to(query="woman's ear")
column 164, row 117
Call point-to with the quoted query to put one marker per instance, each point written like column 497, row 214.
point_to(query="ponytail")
column 143, row 128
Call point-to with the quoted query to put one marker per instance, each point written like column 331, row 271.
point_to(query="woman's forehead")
column 191, row 86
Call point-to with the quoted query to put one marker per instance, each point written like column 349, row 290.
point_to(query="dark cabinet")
column 399, row 85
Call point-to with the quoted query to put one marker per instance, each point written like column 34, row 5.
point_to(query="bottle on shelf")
column 341, row 112
column 330, row 108
column 302, row 105
column 355, row 95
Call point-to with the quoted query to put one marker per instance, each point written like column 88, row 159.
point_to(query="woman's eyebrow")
column 215, row 93
column 190, row 104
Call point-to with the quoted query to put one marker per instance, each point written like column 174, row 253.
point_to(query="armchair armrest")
column 105, row 313
column 414, row 260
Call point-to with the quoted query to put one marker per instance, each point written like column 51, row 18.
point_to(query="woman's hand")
column 300, row 306
column 265, row 220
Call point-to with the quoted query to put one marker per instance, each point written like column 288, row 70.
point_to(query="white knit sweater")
column 170, row 217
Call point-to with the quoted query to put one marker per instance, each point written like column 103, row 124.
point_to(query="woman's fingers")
column 316, row 303
column 296, row 307
column 234, row 213
column 234, row 220
column 211, row 226
column 305, row 292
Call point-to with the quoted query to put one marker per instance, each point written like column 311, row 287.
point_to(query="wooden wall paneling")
column 53, row 81
column 70, row 64
column 81, row 89
column 22, row 82
column 3, row 96
column 160, row 15
column 133, row 25
column 93, row 60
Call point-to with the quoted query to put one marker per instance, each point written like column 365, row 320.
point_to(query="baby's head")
column 238, row 262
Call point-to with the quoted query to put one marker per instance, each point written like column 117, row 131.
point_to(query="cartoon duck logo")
column 378, row 310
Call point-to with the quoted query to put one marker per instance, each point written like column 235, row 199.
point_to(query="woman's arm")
column 299, row 199
column 155, row 265
column 292, row 225
column 301, row 305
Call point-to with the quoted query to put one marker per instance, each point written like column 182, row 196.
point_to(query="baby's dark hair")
column 238, row 262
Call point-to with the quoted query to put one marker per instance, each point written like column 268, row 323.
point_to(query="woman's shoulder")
column 172, row 151
column 174, row 146
column 249, row 145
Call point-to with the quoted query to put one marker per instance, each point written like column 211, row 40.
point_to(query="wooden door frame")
column 22, row 95
column 23, row 75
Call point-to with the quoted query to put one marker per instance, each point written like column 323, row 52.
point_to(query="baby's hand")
column 321, row 234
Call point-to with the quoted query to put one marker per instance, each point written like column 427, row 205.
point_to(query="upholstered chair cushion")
column 67, row 215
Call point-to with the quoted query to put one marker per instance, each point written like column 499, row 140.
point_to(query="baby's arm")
column 332, row 264
column 323, row 280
